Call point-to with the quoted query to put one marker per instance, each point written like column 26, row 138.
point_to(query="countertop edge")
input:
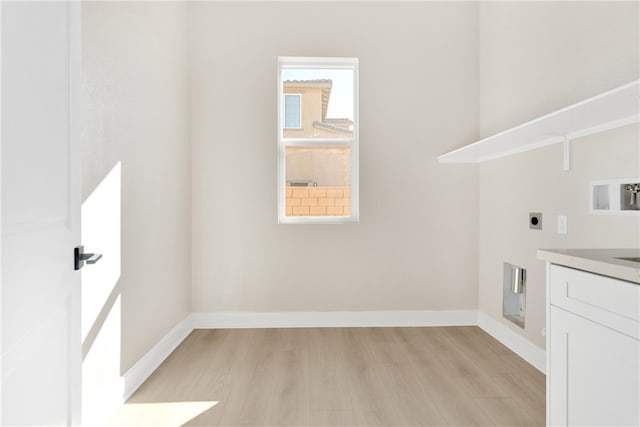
column 591, row 264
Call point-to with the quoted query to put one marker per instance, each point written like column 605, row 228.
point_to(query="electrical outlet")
column 535, row 220
column 562, row 224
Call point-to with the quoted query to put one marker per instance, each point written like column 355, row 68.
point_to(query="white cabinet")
column 593, row 349
column 593, row 373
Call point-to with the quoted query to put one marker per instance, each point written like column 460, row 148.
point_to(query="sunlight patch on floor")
column 162, row 414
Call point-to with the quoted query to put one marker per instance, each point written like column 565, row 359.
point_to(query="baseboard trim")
column 524, row 348
column 143, row 368
column 333, row 319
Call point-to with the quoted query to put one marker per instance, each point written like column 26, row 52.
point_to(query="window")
column 293, row 111
column 317, row 140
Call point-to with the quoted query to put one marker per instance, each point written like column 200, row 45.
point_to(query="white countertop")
column 600, row 261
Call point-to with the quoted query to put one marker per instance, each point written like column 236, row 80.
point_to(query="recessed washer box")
column 615, row 196
column 514, row 293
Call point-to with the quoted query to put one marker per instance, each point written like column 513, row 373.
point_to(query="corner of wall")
column 524, row 73
column 524, row 348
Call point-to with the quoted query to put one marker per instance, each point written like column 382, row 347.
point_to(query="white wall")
column 537, row 57
column 136, row 112
column 416, row 244
column 159, row 75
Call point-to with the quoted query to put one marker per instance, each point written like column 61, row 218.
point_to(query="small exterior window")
column 317, row 140
column 292, row 111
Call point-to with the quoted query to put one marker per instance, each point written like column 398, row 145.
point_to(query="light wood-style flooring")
column 339, row 376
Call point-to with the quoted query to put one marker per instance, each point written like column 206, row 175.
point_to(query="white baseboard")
column 143, row 368
column 333, row 319
column 514, row 341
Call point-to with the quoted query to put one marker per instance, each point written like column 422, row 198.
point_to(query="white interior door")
column 41, row 350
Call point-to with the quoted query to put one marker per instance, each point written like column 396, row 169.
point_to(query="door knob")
column 80, row 257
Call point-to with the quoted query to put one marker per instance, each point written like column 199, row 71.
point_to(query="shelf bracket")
column 566, row 151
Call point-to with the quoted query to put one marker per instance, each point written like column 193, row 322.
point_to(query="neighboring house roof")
column 339, row 121
column 324, row 84
column 333, row 128
column 338, row 125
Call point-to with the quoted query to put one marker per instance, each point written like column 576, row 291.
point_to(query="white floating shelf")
column 609, row 110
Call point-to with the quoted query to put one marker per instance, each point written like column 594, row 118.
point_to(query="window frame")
column 286, row 62
column 284, row 106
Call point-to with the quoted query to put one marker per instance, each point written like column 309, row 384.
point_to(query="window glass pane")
column 326, row 97
column 318, row 181
column 292, row 111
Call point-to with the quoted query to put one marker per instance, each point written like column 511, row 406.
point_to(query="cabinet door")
column 593, row 373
